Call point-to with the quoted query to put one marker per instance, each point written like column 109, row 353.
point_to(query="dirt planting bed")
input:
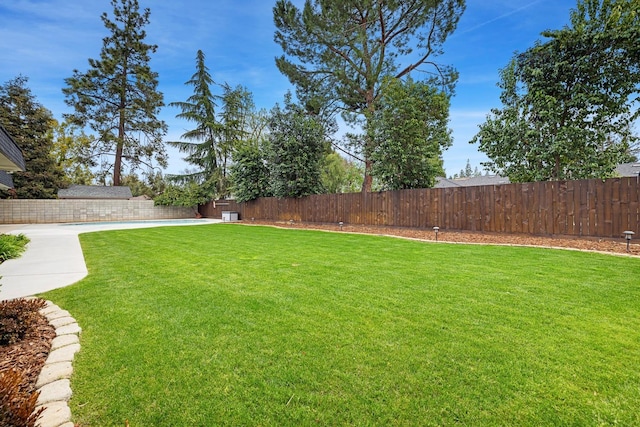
column 613, row 246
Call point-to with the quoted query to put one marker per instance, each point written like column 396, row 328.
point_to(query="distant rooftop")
column 473, row 181
column 95, row 192
column 6, row 181
column 622, row 170
column 628, row 169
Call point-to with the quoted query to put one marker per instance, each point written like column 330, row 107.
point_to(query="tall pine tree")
column 210, row 145
column 201, row 143
column 118, row 96
column 30, row 125
column 341, row 52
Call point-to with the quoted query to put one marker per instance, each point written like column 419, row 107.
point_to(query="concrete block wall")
column 16, row 211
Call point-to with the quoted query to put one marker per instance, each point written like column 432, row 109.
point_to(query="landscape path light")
column 341, row 224
column 436, row 229
column 627, row 237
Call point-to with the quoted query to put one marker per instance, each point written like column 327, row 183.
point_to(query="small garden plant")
column 12, row 246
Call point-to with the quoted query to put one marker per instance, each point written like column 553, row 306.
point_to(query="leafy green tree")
column 569, row 104
column 340, row 175
column 250, row 173
column 250, row 170
column 118, row 96
column 30, row 125
column 189, row 195
column 151, row 184
column 338, row 52
column 295, row 149
column 72, row 152
column 409, row 131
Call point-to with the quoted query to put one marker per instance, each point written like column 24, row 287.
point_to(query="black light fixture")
column 290, row 222
column 341, row 224
column 436, row 229
column 627, row 237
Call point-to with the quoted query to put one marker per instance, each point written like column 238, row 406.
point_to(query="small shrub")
column 17, row 406
column 17, row 317
column 12, row 246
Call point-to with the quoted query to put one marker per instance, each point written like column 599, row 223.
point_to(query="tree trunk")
column 368, row 179
column 117, row 164
column 368, row 140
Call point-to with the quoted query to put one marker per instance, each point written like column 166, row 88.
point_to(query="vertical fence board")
column 616, row 213
column 598, row 209
column 624, row 204
column 508, row 208
column 438, row 207
column 496, row 209
column 607, row 194
column 478, row 210
column 525, row 208
column 456, row 211
column 561, row 207
column 572, row 228
column 469, row 195
column 517, row 208
column 633, row 223
column 593, row 209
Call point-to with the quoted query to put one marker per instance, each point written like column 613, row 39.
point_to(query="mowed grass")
column 239, row 325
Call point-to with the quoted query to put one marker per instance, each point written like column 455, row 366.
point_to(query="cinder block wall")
column 61, row 211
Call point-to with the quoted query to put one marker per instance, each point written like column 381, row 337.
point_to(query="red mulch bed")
column 28, row 355
column 613, row 246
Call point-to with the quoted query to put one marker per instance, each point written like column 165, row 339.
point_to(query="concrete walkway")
column 54, row 258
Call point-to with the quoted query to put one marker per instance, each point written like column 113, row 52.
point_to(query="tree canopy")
column 340, row 175
column 30, row 124
column 117, row 97
column 339, row 53
column 409, row 131
column 72, row 151
column 250, row 173
column 295, row 149
column 569, row 104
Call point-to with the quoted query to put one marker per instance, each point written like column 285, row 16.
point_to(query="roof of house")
column 95, row 192
column 473, row 181
column 6, row 181
column 628, row 169
column 10, row 155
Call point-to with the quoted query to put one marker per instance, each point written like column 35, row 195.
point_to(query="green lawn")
column 237, row 325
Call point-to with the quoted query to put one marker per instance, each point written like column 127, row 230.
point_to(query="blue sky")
column 45, row 40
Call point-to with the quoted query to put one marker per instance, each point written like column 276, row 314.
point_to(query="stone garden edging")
column 54, row 379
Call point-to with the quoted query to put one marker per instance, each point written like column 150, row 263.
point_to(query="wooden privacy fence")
column 593, row 208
